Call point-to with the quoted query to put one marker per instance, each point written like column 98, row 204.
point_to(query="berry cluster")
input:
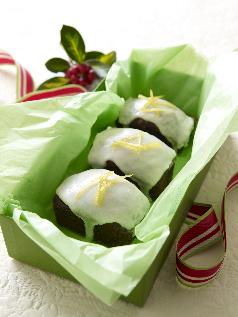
column 81, row 74
column 82, row 68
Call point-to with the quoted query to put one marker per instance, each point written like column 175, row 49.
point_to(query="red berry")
column 81, row 74
column 91, row 75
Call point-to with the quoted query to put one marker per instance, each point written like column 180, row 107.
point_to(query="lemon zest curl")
column 136, row 147
column 104, row 182
column 153, row 103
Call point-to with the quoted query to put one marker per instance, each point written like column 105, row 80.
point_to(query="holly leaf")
column 93, row 55
column 57, row 64
column 73, row 43
column 108, row 59
column 54, row 82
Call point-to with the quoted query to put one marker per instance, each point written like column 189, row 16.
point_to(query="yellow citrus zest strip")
column 104, row 183
column 137, row 147
column 155, row 102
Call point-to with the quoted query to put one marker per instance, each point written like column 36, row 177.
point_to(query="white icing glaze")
column 172, row 122
column 146, row 166
column 123, row 202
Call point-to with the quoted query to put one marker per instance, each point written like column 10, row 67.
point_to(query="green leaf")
column 73, row 43
column 54, row 83
column 108, row 59
column 101, row 85
column 93, row 55
column 57, row 64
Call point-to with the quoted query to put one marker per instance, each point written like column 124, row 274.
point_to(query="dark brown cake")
column 109, row 234
column 111, row 166
column 154, row 191
column 66, row 217
column 162, row 184
column 149, row 127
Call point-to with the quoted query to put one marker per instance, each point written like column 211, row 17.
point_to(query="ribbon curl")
column 203, row 231
column 25, row 85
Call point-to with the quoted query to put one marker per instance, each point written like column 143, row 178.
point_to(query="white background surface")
column 29, row 30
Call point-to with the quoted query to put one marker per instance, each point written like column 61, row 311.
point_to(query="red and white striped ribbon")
column 25, row 86
column 68, row 90
column 24, row 81
column 204, row 230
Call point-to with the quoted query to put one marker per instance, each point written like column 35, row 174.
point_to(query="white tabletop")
column 30, row 32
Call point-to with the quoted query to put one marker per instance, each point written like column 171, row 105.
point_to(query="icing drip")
column 89, row 228
column 154, row 103
column 137, row 147
column 104, row 183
